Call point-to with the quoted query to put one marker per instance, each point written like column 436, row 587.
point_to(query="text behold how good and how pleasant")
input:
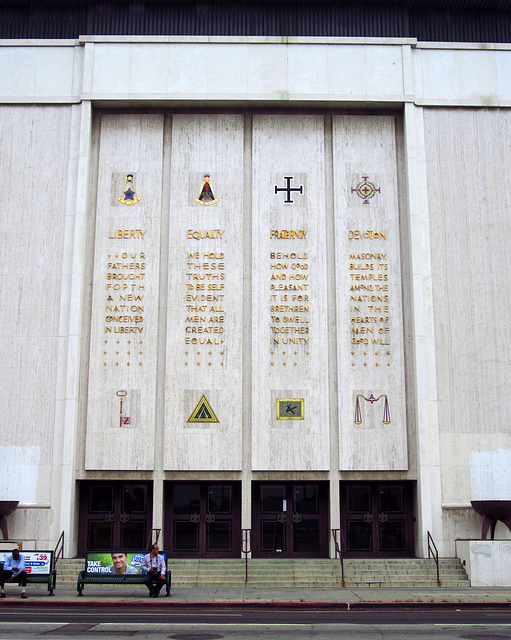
column 290, row 298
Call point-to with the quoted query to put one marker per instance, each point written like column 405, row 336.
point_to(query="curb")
column 340, row 606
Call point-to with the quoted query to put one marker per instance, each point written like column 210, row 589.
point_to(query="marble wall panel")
column 470, row 231
column 43, row 73
column 124, row 320
column 32, row 524
column 205, row 295
column 471, row 277
column 461, row 76
column 371, row 384
column 272, row 69
column 19, row 473
column 34, row 156
column 289, row 295
column 375, row 73
column 490, row 475
column 474, row 467
column 487, row 562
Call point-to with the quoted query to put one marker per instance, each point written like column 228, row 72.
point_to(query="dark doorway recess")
column 377, row 519
column 203, row 519
column 290, row 519
column 114, row 516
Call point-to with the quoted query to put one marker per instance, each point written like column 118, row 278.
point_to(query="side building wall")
column 35, row 159
column 469, row 166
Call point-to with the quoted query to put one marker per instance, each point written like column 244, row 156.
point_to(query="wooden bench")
column 99, row 576
column 38, row 567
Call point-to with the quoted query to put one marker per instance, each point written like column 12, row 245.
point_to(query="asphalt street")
column 248, row 614
column 143, row 616
column 196, row 628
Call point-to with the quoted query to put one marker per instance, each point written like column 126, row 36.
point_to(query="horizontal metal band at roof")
column 486, row 5
column 434, row 21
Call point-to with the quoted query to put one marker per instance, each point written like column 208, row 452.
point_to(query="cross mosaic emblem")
column 365, row 190
column 288, row 189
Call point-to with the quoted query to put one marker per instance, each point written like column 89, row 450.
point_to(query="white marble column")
column 429, row 503
column 63, row 495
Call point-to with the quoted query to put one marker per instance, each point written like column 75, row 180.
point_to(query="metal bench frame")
column 111, row 578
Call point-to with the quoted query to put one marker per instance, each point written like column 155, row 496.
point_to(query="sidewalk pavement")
column 345, row 598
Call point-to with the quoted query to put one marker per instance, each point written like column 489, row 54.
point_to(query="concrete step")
column 266, row 573
column 68, row 570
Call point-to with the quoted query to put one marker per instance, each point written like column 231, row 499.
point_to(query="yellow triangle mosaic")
column 203, row 412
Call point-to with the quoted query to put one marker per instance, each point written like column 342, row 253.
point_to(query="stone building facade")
column 254, row 284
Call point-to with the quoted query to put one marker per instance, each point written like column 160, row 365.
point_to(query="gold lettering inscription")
column 370, row 234
column 125, row 266
column 365, row 315
column 201, row 318
column 288, row 234
column 288, row 271
column 288, row 256
column 126, row 234
column 204, row 234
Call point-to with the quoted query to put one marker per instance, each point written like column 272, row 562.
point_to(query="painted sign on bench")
column 117, row 563
column 36, row 562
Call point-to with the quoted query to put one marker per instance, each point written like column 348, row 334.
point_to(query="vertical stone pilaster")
column 429, row 503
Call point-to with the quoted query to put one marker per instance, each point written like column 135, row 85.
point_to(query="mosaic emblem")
column 288, row 189
column 372, row 400
column 123, row 420
column 289, row 408
column 129, row 195
column 365, row 190
column 206, row 195
column 203, row 412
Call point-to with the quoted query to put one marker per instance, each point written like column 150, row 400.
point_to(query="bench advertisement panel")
column 36, row 562
column 116, row 563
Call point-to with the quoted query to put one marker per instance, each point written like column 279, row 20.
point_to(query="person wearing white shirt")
column 14, row 571
column 154, row 566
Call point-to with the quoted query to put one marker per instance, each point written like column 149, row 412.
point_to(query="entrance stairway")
column 68, row 570
column 230, row 573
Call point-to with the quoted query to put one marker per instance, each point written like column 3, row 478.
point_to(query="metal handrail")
column 433, row 551
column 245, row 548
column 150, row 538
column 339, row 546
column 58, row 552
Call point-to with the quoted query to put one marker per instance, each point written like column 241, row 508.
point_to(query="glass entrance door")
column 203, row 519
column 114, row 516
column 289, row 520
column 377, row 519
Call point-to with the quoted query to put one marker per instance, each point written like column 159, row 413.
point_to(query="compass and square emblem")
column 203, row 412
column 290, row 409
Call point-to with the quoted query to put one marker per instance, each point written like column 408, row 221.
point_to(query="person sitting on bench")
column 14, row 571
column 154, row 566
